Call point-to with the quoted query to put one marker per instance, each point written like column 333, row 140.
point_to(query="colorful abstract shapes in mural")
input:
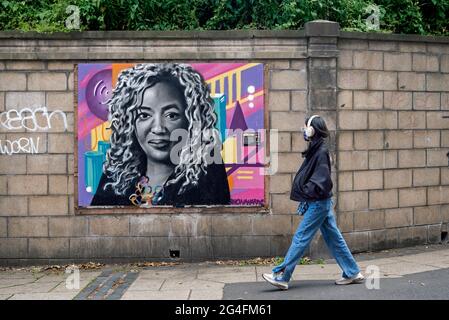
column 93, row 164
column 220, row 111
column 98, row 92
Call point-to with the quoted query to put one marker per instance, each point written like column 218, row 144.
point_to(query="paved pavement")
column 410, row 273
column 429, row 285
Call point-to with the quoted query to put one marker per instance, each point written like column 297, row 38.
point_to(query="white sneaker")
column 274, row 280
column 358, row 278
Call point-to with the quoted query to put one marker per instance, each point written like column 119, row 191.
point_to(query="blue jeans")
column 319, row 215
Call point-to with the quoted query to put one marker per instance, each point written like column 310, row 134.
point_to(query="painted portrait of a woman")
column 149, row 104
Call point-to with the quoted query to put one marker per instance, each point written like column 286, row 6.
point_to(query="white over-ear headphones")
column 310, row 131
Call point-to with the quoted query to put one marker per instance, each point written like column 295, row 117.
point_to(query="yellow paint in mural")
column 244, row 178
column 212, row 87
column 229, row 153
column 238, row 76
column 99, row 133
column 221, row 79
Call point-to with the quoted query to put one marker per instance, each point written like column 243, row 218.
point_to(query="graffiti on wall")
column 171, row 134
column 29, row 120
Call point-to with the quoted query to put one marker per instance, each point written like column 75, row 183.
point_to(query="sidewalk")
column 198, row 281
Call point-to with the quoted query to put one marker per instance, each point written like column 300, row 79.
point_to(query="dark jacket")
column 313, row 180
column 212, row 189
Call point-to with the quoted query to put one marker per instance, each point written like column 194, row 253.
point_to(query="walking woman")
column 312, row 187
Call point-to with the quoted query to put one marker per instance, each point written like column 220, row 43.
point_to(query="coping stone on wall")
column 322, row 28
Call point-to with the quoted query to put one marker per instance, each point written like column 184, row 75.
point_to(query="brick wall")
column 391, row 140
column 38, row 219
column 382, row 100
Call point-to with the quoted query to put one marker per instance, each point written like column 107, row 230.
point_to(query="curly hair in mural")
column 139, row 135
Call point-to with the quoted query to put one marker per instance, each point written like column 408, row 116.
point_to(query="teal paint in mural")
column 220, row 111
column 93, row 164
column 103, row 147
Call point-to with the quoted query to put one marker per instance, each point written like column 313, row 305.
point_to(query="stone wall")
column 392, row 139
column 382, row 99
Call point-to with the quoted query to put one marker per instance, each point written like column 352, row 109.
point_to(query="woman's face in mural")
column 162, row 111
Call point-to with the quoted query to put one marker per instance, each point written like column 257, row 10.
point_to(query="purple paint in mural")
column 98, row 92
column 252, row 77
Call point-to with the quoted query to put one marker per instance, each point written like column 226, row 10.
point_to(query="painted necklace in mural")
column 144, row 195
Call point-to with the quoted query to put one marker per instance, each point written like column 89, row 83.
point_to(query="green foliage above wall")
column 397, row 16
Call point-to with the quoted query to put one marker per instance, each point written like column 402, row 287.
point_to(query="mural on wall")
column 170, row 134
